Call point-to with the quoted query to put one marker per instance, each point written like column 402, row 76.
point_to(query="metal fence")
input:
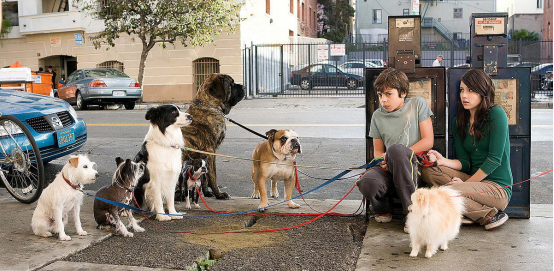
column 279, row 69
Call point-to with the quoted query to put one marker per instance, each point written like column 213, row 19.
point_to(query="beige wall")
column 168, row 72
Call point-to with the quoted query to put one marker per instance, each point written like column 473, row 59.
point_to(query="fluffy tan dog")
column 434, row 219
column 280, row 147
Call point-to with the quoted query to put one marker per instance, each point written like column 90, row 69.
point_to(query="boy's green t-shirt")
column 402, row 125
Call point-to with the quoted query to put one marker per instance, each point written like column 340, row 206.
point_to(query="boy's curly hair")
column 392, row 78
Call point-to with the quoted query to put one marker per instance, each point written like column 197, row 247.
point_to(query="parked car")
column 53, row 123
column 324, row 75
column 544, row 73
column 99, row 86
column 378, row 62
column 357, row 67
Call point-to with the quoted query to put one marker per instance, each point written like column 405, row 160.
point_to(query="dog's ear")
column 271, row 134
column 74, row 161
column 216, row 86
column 151, row 113
column 118, row 160
column 128, row 162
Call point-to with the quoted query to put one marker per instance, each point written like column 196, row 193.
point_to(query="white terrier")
column 61, row 196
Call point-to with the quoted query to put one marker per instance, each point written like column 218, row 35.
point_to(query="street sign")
column 78, row 39
column 338, row 49
column 323, row 52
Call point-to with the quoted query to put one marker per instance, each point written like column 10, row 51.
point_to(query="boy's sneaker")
column 383, row 218
column 496, row 221
column 466, row 221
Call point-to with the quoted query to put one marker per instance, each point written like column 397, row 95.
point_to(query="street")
column 322, row 129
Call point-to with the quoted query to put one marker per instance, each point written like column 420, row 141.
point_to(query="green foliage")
column 204, row 264
column 6, row 28
column 336, row 19
column 191, row 22
column 523, row 34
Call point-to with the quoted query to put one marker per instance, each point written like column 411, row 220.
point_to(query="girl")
column 482, row 165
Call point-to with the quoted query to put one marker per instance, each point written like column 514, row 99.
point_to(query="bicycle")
column 21, row 167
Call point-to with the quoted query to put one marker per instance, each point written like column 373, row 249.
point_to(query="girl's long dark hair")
column 479, row 82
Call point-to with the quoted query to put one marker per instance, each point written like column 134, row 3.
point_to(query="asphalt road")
column 331, row 136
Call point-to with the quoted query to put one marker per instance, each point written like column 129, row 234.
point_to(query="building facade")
column 526, row 15
column 55, row 33
column 441, row 19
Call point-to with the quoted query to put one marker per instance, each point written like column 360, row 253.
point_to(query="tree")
column 336, row 19
column 523, row 34
column 164, row 22
column 5, row 24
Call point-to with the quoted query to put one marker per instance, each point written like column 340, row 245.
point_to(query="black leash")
column 231, row 120
column 245, row 128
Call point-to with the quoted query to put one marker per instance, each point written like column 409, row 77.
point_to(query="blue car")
column 53, row 123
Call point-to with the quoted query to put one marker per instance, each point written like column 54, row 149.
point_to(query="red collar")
column 70, row 184
column 191, row 176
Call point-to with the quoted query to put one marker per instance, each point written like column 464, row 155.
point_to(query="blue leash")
column 119, row 204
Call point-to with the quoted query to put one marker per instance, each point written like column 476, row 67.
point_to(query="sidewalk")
column 521, row 244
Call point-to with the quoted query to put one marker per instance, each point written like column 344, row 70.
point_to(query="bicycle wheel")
column 21, row 168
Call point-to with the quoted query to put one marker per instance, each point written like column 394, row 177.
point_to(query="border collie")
column 161, row 152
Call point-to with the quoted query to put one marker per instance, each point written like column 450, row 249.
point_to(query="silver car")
column 99, row 86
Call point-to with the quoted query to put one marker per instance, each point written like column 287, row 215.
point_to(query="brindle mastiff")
column 215, row 98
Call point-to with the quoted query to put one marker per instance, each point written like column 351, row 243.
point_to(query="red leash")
column 542, row 174
column 262, row 231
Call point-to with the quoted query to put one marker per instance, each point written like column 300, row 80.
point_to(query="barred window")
column 204, row 67
column 111, row 64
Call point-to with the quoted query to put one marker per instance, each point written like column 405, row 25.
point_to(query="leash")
column 126, row 206
column 254, row 160
column 261, row 231
column 542, row 174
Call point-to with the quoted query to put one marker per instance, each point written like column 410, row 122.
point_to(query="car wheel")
column 81, row 104
column 305, row 83
column 130, row 105
column 351, row 83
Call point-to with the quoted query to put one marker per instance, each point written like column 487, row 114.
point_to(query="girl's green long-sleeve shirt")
column 491, row 153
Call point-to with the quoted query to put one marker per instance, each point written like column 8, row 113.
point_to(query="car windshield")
column 104, row 73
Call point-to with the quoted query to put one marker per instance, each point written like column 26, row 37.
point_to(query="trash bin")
column 42, row 84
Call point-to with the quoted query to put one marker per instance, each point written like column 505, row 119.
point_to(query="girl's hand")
column 455, row 180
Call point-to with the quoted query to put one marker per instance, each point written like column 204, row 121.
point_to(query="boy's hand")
column 383, row 164
column 435, row 156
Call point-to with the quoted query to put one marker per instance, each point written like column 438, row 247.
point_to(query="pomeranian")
column 434, row 219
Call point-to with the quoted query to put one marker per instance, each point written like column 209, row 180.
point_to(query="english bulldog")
column 281, row 147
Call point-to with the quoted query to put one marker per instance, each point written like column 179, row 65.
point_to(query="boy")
column 400, row 128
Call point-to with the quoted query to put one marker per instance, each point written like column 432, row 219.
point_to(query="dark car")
column 543, row 74
column 324, row 75
column 99, row 86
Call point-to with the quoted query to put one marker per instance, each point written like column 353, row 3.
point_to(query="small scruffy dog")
column 61, row 196
column 434, row 219
column 121, row 190
column 189, row 180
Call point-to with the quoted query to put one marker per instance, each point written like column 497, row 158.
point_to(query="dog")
column 281, row 147
column 161, row 153
column 215, row 98
column 61, row 196
column 189, row 180
column 434, row 219
column 121, row 190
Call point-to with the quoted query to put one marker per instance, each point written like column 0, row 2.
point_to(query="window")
column 111, row 64
column 539, row 3
column 291, row 33
column 203, row 68
column 377, row 16
column 268, row 6
column 405, row 12
column 457, row 35
column 11, row 12
column 316, row 68
column 303, row 18
column 458, row 13
column 292, row 6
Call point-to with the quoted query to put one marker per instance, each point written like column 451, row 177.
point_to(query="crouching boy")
column 400, row 128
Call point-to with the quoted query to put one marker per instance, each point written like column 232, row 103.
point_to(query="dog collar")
column 131, row 190
column 70, row 184
column 191, row 176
